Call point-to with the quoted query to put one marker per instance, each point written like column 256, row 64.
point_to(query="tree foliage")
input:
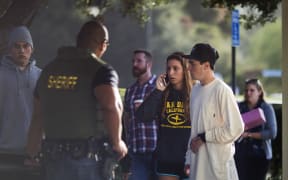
column 172, row 33
column 258, row 11
column 139, row 9
column 261, row 49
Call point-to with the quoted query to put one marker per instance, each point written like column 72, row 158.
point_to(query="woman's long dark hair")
column 187, row 84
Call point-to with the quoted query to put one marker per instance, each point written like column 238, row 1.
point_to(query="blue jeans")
column 67, row 168
column 142, row 166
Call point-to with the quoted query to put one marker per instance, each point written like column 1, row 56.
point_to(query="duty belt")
column 98, row 149
column 54, row 149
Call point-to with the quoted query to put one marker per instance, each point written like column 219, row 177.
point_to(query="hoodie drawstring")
column 18, row 80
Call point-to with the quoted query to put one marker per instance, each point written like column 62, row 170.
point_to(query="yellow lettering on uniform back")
column 62, row 82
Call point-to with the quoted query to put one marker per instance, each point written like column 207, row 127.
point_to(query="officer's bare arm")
column 110, row 100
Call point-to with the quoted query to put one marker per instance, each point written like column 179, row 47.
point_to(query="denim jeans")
column 13, row 168
column 67, row 168
column 142, row 166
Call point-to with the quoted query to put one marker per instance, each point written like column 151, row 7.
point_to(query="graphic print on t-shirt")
column 175, row 117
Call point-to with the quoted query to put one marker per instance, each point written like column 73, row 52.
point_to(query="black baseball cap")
column 203, row 52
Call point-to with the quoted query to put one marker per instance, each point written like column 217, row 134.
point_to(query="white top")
column 214, row 110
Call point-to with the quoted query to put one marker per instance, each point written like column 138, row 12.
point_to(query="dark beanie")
column 203, row 52
column 20, row 33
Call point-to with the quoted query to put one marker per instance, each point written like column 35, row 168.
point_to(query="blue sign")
column 235, row 28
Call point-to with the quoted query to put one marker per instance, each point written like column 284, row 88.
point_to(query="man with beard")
column 141, row 137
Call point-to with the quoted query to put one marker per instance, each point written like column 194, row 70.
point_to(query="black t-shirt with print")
column 174, row 130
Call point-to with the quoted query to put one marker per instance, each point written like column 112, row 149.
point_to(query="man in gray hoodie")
column 18, row 76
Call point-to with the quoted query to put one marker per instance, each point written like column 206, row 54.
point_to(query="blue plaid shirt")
column 141, row 137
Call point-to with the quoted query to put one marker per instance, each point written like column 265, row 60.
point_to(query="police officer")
column 77, row 102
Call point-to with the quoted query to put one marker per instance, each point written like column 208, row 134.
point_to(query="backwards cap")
column 203, row 52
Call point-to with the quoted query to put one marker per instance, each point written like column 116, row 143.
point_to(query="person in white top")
column 215, row 120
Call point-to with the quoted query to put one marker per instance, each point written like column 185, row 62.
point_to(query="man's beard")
column 138, row 72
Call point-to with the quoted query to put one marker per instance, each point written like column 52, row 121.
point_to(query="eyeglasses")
column 106, row 42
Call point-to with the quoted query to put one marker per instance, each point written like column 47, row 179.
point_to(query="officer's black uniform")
column 72, row 116
column 65, row 89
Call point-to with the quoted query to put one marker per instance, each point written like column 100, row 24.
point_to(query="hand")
column 246, row 135
column 196, row 142
column 120, row 149
column 161, row 84
column 187, row 169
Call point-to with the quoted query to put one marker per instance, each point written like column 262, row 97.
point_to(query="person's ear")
column 101, row 46
column 206, row 65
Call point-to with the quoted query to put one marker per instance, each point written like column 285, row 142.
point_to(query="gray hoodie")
column 16, row 104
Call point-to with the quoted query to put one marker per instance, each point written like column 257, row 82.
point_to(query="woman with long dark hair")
column 169, row 103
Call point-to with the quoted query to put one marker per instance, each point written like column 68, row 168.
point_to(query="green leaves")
column 139, row 9
column 256, row 11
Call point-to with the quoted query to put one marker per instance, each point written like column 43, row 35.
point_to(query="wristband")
column 202, row 136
